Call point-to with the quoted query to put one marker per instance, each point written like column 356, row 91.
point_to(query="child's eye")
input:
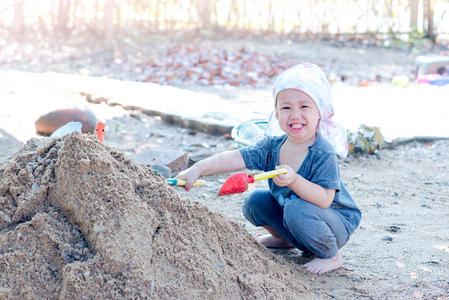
column 285, row 107
column 304, row 106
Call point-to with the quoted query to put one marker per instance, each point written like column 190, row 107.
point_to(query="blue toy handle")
column 174, row 181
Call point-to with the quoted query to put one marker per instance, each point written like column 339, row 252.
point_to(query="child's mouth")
column 296, row 126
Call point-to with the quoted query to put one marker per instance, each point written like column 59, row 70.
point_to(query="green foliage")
column 416, row 38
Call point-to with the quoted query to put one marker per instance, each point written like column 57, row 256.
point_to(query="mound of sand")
column 79, row 220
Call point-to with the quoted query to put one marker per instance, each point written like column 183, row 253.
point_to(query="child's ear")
column 276, row 114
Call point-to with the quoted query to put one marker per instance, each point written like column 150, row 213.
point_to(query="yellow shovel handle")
column 270, row 174
column 197, row 183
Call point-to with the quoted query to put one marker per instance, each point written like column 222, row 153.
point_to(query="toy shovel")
column 238, row 183
column 175, row 181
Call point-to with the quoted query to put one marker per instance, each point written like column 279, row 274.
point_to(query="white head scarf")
column 310, row 79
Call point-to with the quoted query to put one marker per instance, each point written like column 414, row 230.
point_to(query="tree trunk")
column 389, row 5
column 52, row 15
column 41, row 20
column 244, row 15
column 109, row 20
column 428, row 20
column 64, row 16
column 271, row 16
column 118, row 17
column 19, row 18
column 204, row 12
column 75, row 14
column 157, row 21
column 96, row 16
column 231, row 11
column 413, row 15
column 138, row 6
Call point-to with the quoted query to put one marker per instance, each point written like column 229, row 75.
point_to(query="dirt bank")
column 79, row 220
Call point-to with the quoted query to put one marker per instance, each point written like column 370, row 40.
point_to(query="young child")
column 308, row 207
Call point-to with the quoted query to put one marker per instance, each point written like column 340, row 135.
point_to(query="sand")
column 400, row 251
column 79, row 220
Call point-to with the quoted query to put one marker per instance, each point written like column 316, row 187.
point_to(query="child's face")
column 297, row 114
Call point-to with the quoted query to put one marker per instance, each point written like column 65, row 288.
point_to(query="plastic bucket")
column 249, row 132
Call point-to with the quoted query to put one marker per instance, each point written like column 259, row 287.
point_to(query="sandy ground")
column 79, row 220
column 400, row 251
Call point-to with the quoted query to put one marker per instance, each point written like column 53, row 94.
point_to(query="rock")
column 201, row 145
column 163, row 170
column 393, row 228
column 227, row 136
column 51, row 121
column 5, row 293
column 387, row 238
column 179, row 164
column 196, row 158
column 66, row 129
column 98, row 228
column 5, row 217
column 160, row 155
column 35, row 186
column 366, row 140
column 135, row 116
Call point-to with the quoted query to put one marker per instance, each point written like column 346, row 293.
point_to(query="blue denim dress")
column 309, row 227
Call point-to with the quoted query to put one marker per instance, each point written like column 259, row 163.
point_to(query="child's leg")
column 322, row 231
column 261, row 209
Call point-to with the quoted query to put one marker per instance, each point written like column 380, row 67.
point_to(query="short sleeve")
column 325, row 171
column 257, row 156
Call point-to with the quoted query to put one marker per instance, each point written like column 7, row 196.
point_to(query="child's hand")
column 287, row 178
column 190, row 175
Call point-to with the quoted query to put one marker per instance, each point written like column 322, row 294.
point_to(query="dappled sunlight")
column 282, row 17
column 425, row 269
column 418, row 294
column 444, row 248
column 174, row 81
column 399, row 264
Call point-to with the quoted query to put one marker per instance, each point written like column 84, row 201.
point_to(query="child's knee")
column 255, row 204
column 256, row 198
column 299, row 213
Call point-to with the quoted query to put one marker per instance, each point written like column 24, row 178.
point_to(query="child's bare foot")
column 270, row 241
column 320, row 265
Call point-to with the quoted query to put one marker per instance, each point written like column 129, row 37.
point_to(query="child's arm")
column 305, row 189
column 226, row 161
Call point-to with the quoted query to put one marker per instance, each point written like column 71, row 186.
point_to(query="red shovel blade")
column 99, row 131
column 237, row 183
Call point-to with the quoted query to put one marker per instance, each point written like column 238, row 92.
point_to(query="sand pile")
column 79, row 220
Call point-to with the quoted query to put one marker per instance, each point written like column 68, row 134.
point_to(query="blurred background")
column 402, row 19
column 175, row 81
column 131, row 39
column 231, row 50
